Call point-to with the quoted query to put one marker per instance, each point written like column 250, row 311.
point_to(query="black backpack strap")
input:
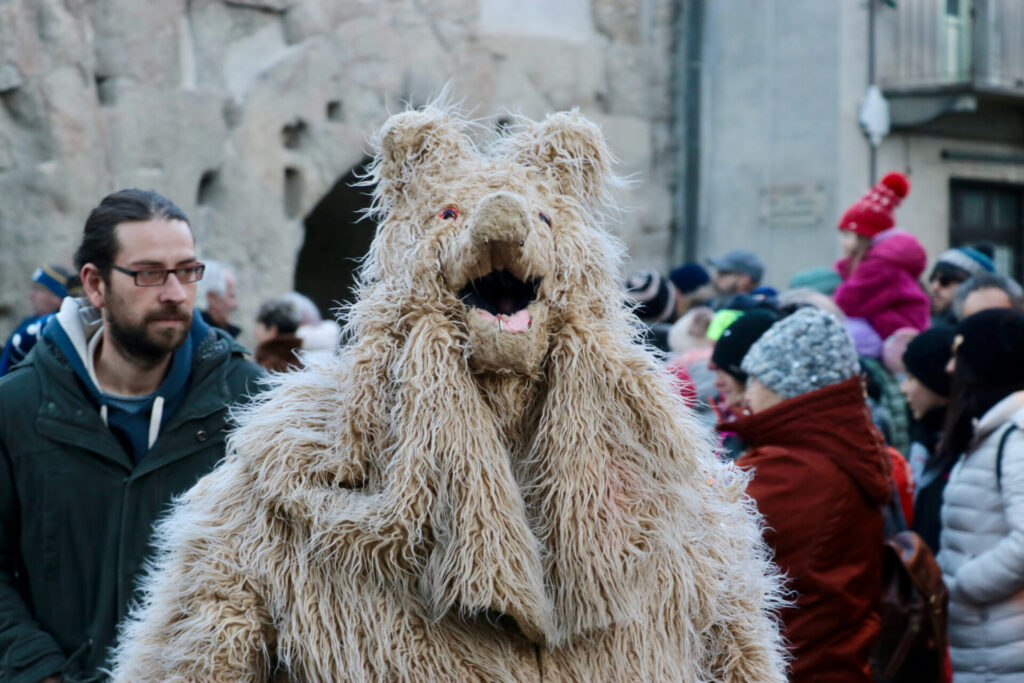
column 999, row 455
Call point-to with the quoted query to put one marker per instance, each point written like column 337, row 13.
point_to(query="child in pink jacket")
column 883, row 263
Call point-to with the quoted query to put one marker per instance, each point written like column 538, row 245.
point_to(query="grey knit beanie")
column 806, row 351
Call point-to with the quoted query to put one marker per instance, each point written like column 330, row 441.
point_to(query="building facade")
column 737, row 120
column 782, row 153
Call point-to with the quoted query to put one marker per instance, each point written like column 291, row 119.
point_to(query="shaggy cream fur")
column 459, row 494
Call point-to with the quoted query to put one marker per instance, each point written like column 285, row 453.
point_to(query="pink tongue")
column 517, row 322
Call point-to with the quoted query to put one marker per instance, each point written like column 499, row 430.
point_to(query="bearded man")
column 122, row 406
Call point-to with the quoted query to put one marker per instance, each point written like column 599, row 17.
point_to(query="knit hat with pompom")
column 873, row 213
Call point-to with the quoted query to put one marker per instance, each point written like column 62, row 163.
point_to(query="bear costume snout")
column 497, row 270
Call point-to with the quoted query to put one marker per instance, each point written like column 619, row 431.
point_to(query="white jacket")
column 982, row 550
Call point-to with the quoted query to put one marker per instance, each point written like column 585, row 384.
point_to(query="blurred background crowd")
column 865, row 385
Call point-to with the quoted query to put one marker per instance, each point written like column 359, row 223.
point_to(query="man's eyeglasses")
column 945, row 280
column 156, row 277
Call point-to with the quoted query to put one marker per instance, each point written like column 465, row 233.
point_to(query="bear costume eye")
column 449, row 213
column 546, row 218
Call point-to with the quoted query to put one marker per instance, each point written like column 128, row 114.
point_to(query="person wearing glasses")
column 120, row 407
column 952, row 269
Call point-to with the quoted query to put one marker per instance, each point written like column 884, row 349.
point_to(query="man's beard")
column 136, row 339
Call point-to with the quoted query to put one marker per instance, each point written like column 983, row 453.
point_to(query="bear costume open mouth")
column 502, row 298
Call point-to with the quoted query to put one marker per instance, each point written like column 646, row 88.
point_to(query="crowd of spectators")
column 857, row 386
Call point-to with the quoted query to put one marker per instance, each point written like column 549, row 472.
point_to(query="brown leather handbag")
column 912, row 642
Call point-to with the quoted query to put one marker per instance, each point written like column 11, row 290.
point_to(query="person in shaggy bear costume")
column 490, row 480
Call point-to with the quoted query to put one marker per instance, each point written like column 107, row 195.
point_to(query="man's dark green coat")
column 76, row 515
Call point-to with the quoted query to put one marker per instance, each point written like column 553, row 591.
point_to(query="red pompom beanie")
column 872, row 213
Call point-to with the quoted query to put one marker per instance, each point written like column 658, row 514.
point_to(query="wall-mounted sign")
column 793, row 206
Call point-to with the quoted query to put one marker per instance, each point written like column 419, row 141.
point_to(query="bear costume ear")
column 417, row 144
column 571, row 151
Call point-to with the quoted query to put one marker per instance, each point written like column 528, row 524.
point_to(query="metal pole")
column 694, row 50
column 872, row 152
column 687, row 132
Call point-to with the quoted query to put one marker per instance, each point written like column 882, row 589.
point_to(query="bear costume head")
column 504, row 242
column 490, row 479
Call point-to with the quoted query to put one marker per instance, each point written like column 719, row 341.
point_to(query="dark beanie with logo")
column 737, row 339
column 927, row 356
column 991, row 344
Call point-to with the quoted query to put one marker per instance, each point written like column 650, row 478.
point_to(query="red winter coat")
column 884, row 288
column 821, row 475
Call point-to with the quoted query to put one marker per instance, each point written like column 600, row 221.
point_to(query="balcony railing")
column 965, row 45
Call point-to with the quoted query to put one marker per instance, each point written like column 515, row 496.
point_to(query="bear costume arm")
column 202, row 618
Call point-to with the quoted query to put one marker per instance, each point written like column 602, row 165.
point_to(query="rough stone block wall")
column 246, row 112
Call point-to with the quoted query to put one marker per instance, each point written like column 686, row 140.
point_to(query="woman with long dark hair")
column 982, row 541
column 927, row 387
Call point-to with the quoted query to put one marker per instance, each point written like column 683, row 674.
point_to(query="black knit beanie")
column 927, row 355
column 991, row 344
column 737, row 339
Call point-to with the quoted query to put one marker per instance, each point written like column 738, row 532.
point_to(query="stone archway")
column 335, row 242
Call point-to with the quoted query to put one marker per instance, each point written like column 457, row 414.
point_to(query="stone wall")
column 246, row 112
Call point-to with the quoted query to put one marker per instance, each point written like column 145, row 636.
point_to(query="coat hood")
column 70, row 338
column 73, row 327
column 75, row 331
column 834, row 422
column 902, row 249
column 1009, row 408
